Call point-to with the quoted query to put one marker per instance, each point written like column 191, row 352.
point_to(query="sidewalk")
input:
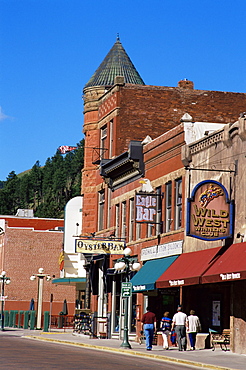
column 204, row 359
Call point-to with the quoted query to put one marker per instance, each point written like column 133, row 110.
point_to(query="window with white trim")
column 168, row 203
column 117, row 220
column 159, row 211
column 178, row 203
column 131, row 219
column 123, row 220
column 101, row 205
column 103, row 142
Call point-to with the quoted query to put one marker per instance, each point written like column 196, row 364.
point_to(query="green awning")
column 146, row 277
column 69, row 281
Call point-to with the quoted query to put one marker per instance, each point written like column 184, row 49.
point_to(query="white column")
column 40, row 300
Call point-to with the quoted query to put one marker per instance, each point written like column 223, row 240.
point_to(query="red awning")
column 231, row 266
column 187, row 268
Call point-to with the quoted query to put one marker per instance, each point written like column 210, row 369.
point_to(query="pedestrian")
column 165, row 327
column 179, row 324
column 149, row 327
column 193, row 327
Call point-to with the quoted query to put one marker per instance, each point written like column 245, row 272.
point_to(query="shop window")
column 168, row 206
column 131, row 220
column 101, row 205
column 178, row 203
column 133, row 313
column 80, row 300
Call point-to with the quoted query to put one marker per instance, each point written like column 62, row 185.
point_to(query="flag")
column 61, row 260
column 66, row 148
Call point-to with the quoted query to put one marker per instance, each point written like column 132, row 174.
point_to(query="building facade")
column 218, row 161
column 133, row 134
column 27, row 244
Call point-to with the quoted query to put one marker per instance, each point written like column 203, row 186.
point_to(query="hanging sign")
column 146, row 208
column 99, row 246
column 209, row 212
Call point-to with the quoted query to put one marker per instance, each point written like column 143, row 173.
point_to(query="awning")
column 146, row 277
column 231, row 266
column 68, row 281
column 188, row 268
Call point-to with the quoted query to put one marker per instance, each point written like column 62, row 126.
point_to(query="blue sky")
column 50, row 49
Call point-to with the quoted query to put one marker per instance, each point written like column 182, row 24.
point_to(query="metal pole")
column 40, row 300
column 125, row 342
column 2, row 305
column 51, row 300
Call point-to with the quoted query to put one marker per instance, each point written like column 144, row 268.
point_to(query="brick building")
column 218, row 159
column 26, row 244
column 133, row 131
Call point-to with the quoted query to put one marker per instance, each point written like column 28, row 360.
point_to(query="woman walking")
column 193, row 327
column 165, row 327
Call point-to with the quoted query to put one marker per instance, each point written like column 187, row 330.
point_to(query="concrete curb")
column 130, row 353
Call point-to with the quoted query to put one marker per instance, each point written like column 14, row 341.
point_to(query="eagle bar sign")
column 210, row 212
column 146, row 207
column 99, row 246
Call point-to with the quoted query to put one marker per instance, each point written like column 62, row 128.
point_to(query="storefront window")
column 133, row 313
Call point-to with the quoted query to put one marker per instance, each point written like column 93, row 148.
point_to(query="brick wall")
column 25, row 251
column 152, row 110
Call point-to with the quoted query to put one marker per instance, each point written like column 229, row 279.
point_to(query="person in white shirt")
column 193, row 327
column 179, row 324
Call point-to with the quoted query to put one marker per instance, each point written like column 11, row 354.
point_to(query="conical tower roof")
column 116, row 63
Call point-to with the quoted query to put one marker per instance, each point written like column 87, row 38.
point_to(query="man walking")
column 179, row 323
column 149, row 327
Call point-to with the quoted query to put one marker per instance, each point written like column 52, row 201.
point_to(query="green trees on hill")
column 45, row 189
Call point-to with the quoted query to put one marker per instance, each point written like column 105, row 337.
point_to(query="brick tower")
column 116, row 66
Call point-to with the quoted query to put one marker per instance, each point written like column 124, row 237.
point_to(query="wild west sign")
column 209, row 212
column 99, row 246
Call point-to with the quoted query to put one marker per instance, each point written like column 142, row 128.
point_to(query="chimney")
column 186, row 84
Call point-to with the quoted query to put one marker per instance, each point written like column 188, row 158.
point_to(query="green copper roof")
column 116, row 63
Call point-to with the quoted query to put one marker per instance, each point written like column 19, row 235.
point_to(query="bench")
column 222, row 339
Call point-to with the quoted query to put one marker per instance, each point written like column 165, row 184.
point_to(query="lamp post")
column 126, row 264
column 41, row 276
column 4, row 280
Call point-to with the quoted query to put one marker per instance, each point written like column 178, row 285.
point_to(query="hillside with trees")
column 44, row 189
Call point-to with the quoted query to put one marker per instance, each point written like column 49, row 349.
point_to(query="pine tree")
column 45, row 189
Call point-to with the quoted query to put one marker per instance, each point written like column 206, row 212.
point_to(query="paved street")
column 23, row 353
column 35, row 349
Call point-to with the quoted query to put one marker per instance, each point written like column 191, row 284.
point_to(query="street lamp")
column 41, row 276
column 4, row 280
column 126, row 264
